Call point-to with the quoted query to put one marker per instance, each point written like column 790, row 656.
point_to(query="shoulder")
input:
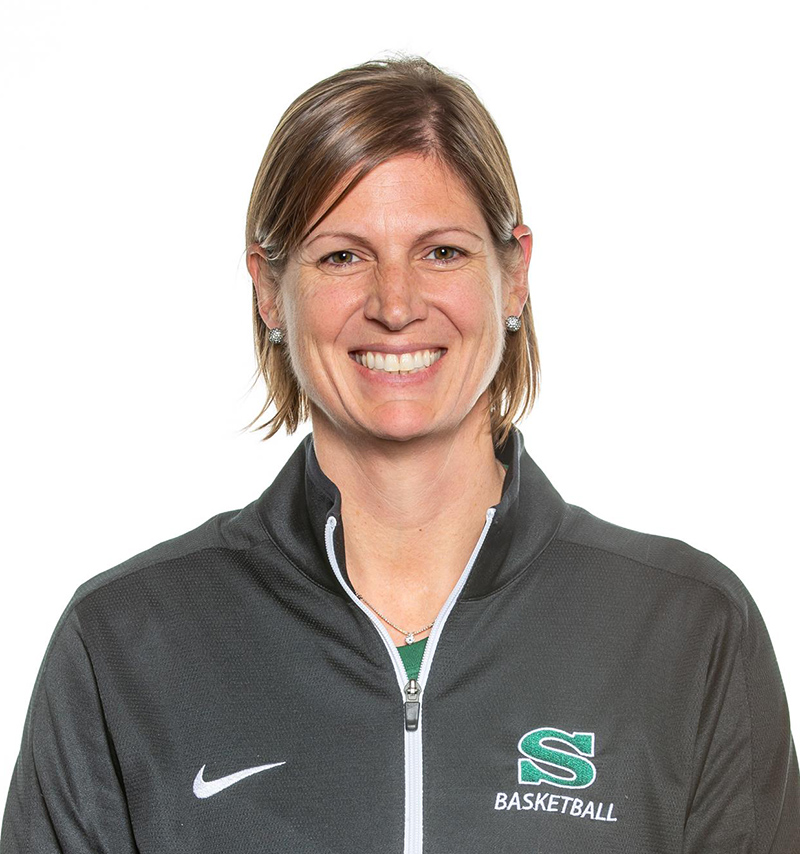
column 211, row 544
column 658, row 560
column 156, row 593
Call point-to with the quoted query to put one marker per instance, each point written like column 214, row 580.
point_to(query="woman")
column 409, row 642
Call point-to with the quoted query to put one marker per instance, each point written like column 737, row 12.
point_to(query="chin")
column 399, row 424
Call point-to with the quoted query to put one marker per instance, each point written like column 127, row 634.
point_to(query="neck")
column 412, row 513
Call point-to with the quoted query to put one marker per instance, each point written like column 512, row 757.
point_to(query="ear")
column 265, row 286
column 518, row 282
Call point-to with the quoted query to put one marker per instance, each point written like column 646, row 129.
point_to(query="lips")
column 398, row 363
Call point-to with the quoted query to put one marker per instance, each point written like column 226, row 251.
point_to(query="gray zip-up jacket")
column 585, row 689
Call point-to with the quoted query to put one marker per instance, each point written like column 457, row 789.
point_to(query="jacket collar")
column 296, row 506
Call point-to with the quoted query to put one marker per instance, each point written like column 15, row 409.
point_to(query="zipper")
column 411, row 706
column 411, row 691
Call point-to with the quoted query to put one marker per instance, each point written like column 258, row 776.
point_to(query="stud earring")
column 276, row 335
column 513, row 323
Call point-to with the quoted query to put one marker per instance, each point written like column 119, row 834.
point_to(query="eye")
column 445, row 254
column 341, row 259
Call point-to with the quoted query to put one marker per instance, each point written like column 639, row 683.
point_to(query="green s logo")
column 547, row 763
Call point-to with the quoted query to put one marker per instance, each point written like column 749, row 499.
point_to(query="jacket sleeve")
column 66, row 791
column 746, row 790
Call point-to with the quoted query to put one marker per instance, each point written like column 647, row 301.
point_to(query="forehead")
column 406, row 194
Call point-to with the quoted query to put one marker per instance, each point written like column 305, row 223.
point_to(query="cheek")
column 489, row 326
column 318, row 318
column 475, row 309
column 315, row 319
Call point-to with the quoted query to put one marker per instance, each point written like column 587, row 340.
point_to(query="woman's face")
column 394, row 305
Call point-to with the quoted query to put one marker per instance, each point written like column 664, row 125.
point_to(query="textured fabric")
column 593, row 690
column 412, row 656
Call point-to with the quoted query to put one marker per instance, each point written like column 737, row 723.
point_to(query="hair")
column 346, row 125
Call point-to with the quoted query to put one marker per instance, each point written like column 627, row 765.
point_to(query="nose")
column 395, row 299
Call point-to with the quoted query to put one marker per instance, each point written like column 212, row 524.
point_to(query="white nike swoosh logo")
column 205, row 789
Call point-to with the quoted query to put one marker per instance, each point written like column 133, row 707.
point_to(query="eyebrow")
column 357, row 238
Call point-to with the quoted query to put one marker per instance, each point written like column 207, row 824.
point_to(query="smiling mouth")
column 398, row 363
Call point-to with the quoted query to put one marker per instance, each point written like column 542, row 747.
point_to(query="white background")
column 655, row 146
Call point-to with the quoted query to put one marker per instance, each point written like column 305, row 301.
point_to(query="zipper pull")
column 411, row 705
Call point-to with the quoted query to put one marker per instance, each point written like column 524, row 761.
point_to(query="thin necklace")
column 409, row 636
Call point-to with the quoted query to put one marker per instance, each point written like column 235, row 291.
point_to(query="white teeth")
column 403, row 363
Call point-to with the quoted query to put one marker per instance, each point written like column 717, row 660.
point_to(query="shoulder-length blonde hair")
column 348, row 124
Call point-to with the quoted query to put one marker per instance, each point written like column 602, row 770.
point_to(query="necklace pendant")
column 410, row 638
